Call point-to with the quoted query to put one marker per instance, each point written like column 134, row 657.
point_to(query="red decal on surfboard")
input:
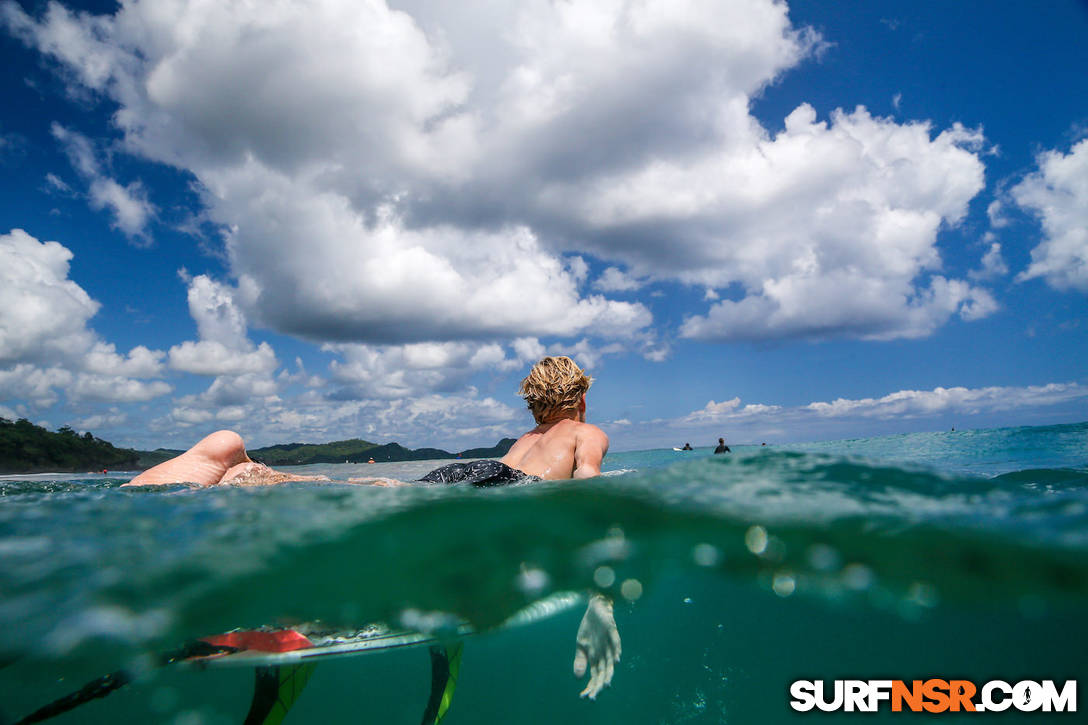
column 284, row 640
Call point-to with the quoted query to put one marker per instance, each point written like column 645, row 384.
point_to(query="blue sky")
column 342, row 219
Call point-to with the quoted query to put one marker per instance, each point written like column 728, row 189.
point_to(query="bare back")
column 564, row 449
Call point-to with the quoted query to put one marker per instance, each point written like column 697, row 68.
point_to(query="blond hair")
column 554, row 385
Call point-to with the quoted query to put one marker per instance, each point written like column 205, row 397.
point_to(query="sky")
column 357, row 218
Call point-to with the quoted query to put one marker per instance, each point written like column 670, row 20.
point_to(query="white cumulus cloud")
column 915, row 403
column 116, row 389
column 208, row 357
column 46, row 345
column 224, row 347
column 1058, row 195
column 140, row 362
column 43, row 314
column 993, row 263
column 403, row 371
column 129, row 204
column 440, row 197
column 834, row 231
column 244, row 382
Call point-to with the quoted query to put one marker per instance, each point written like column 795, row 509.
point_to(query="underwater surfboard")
column 285, row 660
column 307, row 643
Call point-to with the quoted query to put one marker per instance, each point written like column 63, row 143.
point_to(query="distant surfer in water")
column 722, row 448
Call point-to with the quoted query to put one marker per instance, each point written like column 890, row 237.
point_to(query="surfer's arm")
column 589, row 449
column 597, row 646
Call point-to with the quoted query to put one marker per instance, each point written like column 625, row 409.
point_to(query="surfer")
column 722, row 448
column 562, row 445
column 687, row 447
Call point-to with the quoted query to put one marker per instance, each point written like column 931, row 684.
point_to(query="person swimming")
column 722, row 448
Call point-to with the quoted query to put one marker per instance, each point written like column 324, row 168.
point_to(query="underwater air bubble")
column 822, row 557
column 705, row 554
column 631, row 589
column 923, row 594
column 755, row 538
column 857, row 577
column 532, row 581
column 604, row 577
column 783, row 584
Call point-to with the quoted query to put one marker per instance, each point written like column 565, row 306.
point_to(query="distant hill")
column 497, row 451
column 28, row 448
column 294, row 454
column 357, row 450
column 148, row 459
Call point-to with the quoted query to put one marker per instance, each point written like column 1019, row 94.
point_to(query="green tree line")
column 28, row 448
column 357, row 450
column 25, row 448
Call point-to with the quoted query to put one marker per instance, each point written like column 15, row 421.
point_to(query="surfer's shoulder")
column 591, row 433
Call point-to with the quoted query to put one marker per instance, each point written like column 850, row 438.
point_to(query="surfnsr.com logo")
column 933, row 695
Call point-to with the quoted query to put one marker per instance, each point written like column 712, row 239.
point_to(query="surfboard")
column 309, row 642
column 284, row 660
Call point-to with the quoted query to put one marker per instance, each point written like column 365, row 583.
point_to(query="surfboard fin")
column 445, row 669
column 275, row 690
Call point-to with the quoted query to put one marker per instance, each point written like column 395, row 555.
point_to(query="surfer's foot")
column 204, row 464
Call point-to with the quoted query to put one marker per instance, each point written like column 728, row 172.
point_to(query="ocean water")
column 959, row 555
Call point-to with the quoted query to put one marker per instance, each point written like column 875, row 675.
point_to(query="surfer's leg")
column 378, row 481
column 205, row 464
column 250, row 473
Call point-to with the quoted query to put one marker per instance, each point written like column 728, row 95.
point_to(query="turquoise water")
column 952, row 555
